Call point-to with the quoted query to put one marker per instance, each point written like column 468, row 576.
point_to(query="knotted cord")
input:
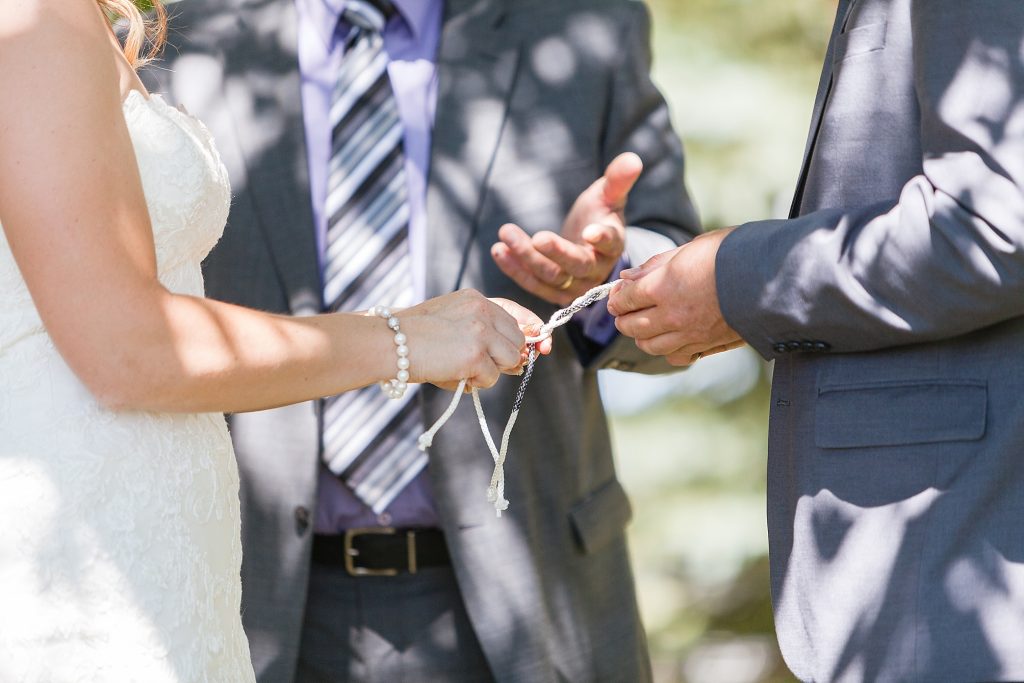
column 496, row 489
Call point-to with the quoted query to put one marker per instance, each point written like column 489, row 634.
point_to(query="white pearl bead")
column 401, row 387
column 400, row 339
column 402, row 350
column 403, row 363
column 403, row 376
column 384, row 311
column 393, row 323
column 374, row 310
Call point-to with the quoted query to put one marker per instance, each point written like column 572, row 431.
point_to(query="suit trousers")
column 411, row 628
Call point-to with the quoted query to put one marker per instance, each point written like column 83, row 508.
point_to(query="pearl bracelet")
column 395, row 388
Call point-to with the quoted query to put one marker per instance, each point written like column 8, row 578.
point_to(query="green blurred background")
column 740, row 76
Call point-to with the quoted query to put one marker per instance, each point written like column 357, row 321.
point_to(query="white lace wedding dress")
column 120, row 542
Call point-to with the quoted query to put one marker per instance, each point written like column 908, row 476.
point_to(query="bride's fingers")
column 508, row 328
column 486, row 376
column 520, row 318
column 505, row 355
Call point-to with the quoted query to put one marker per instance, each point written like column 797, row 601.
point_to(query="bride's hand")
column 464, row 336
column 528, row 322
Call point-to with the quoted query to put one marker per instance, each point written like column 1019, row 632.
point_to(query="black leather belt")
column 382, row 551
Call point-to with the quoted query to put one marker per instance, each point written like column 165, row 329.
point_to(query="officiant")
column 380, row 154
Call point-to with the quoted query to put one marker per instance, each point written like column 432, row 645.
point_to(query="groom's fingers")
column 628, row 297
column 650, row 264
column 649, row 324
column 670, row 343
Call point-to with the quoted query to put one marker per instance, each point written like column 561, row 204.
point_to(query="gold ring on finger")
column 567, row 284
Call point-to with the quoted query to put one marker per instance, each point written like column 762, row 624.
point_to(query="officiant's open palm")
column 558, row 267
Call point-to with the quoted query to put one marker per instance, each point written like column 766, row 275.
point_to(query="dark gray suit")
column 535, row 98
column 894, row 307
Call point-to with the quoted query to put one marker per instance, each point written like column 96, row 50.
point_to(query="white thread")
column 496, row 490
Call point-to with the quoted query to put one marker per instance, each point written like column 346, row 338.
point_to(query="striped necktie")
column 369, row 440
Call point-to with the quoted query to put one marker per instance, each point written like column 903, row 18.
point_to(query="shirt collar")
column 325, row 13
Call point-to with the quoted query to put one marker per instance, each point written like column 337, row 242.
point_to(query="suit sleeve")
column 946, row 256
column 660, row 213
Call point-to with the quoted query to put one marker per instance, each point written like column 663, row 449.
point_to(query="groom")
column 375, row 150
column 892, row 302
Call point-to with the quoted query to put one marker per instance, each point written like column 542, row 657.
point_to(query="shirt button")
column 384, row 519
column 302, row 518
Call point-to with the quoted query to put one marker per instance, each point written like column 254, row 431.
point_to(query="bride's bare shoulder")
column 20, row 15
column 53, row 44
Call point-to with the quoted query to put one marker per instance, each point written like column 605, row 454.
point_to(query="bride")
column 119, row 544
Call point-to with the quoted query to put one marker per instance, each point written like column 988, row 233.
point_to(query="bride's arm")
column 72, row 208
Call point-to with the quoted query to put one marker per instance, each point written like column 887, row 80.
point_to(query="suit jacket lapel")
column 477, row 67
column 824, row 89
column 265, row 101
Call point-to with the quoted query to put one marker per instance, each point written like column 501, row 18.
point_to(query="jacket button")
column 302, row 518
column 821, row 346
column 793, row 345
column 807, row 346
column 780, row 347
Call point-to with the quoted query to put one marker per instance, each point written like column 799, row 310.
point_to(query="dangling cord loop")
column 496, row 490
column 426, row 440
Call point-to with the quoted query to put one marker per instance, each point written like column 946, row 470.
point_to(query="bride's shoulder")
column 53, row 45
column 25, row 14
column 51, row 26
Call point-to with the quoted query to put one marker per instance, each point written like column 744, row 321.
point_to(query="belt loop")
column 410, row 546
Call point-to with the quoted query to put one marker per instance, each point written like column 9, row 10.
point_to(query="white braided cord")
column 496, row 489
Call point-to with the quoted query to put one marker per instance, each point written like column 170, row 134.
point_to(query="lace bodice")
column 187, row 193
column 120, row 550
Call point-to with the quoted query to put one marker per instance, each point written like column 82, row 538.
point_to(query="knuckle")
column 477, row 330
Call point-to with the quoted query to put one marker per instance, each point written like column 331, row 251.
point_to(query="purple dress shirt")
column 411, row 39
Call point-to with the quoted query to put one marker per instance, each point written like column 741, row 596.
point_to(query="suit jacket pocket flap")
column 900, row 413
column 601, row 516
column 858, row 41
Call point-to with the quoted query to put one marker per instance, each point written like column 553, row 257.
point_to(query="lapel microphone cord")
column 496, row 489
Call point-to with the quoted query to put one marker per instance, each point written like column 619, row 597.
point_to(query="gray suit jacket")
column 548, row 587
column 893, row 303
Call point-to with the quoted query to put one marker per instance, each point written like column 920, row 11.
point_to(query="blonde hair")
column 142, row 32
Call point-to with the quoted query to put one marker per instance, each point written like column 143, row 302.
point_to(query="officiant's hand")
column 465, row 336
column 558, row 267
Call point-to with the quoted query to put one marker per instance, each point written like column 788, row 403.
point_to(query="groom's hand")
column 560, row 267
column 670, row 304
